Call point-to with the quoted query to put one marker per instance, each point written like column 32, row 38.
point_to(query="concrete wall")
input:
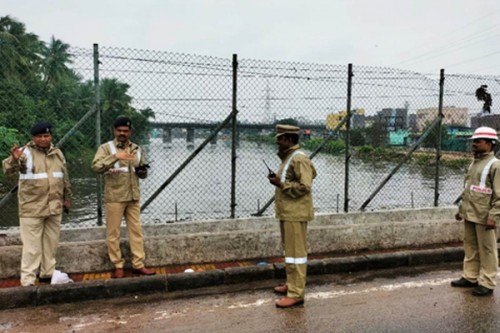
column 84, row 250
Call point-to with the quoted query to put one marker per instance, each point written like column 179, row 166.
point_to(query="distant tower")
column 407, row 105
column 269, row 116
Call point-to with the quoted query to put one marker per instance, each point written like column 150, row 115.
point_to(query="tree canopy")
column 37, row 82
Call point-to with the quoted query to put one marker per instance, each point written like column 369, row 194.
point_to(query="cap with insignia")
column 287, row 129
column 41, row 127
column 122, row 121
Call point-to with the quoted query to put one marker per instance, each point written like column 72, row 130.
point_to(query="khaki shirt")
column 481, row 201
column 294, row 200
column 43, row 180
column 121, row 184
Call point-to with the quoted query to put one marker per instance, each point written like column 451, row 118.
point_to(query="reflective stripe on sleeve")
column 58, row 174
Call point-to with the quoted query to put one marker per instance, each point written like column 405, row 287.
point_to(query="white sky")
column 461, row 36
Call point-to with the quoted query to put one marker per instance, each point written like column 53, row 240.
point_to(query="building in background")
column 490, row 120
column 393, row 119
column 453, row 116
column 357, row 119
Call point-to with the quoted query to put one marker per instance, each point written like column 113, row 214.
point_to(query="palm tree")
column 19, row 51
column 114, row 98
column 147, row 113
column 56, row 58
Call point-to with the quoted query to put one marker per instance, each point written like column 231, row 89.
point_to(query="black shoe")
column 463, row 283
column 482, row 291
column 44, row 279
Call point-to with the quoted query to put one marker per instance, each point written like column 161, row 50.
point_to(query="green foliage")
column 432, row 138
column 288, row 121
column 37, row 84
column 377, row 135
column 357, row 137
column 331, row 147
column 8, row 138
column 365, row 150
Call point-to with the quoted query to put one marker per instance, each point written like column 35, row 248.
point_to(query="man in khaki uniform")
column 122, row 162
column 294, row 208
column 43, row 193
column 480, row 210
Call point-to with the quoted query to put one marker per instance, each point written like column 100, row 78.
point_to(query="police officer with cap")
column 44, row 192
column 480, row 211
column 123, row 162
column 294, row 209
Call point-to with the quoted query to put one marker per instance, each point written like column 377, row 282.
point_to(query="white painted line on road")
column 387, row 287
column 339, row 293
column 169, row 314
column 255, row 304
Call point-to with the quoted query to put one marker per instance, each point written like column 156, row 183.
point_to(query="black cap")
column 122, row 121
column 41, row 127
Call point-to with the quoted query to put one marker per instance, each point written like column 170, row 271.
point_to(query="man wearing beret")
column 43, row 193
column 294, row 208
column 122, row 162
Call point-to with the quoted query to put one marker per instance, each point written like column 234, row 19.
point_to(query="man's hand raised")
column 16, row 152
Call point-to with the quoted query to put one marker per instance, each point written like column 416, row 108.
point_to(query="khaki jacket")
column 481, row 196
column 294, row 202
column 43, row 180
column 121, row 183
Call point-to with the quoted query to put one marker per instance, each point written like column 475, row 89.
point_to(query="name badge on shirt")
column 485, row 190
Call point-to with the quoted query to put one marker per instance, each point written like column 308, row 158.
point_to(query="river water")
column 203, row 189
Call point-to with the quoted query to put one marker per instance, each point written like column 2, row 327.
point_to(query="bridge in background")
column 190, row 128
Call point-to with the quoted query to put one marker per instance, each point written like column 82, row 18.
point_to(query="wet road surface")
column 396, row 300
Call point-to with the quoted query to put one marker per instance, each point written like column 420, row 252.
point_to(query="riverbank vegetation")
column 424, row 156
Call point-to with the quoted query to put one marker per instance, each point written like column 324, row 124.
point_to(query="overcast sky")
column 462, row 36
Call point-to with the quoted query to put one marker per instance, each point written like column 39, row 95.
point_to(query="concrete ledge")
column 71, row 292
column 280, row 270
column 18, row 297
column 314, row 267
column 245, row 274
column 183, row 281
column 345, row 264
column 80, row 291
column 248, row 239
column 127, row 286
column 387, row 260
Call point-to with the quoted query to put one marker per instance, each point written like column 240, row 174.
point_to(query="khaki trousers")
column 131, row 210
column 40, row 237
column 481, row 254
column 294, row 239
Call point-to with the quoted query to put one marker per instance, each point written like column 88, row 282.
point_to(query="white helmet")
column 485, row 133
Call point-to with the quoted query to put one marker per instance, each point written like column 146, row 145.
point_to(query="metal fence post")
column 234, row 138
column 97, row 98
column 439, row 138
column 347, row 138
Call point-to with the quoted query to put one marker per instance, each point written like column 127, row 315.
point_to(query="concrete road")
column 396, row 300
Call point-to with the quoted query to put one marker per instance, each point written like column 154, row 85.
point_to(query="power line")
column 441, row 37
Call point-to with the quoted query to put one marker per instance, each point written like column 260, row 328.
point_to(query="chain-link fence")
column 208, row 123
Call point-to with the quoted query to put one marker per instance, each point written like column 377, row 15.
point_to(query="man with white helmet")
column 480, row 210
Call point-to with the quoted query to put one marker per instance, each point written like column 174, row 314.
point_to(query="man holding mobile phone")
column 294, row 208
column 122, row 162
